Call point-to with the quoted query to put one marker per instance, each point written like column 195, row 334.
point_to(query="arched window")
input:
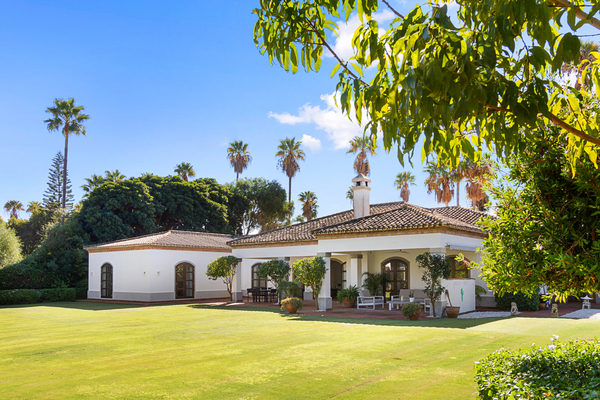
column 256, row 281
column 184, row 281
column 106, row 281
column 396, row 270
column 459, row 269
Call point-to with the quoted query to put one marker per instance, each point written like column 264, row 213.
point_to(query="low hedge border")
column 524, row 302
column 566, row 370
column 31, row 296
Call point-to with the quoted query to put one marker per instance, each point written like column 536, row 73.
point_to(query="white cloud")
column 330, row 119
column 311, row 142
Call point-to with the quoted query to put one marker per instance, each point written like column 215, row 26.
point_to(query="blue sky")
column 165, row 83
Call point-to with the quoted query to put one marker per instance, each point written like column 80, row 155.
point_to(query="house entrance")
column 338, row 277
column 396, row 270
column 106, row 284
column 184, row 281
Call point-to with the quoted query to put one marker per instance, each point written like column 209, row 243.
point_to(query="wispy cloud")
column 311, row 142
column 330, row 119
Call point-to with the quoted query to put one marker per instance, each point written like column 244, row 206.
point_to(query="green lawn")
column 92, row 350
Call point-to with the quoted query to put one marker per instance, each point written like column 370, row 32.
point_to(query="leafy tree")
column 185, row 171
column 92, row 183
column 462, row 87
column 546, row 228
column 586, row 57
column 309, row 204
column 310, row 272
column 256, row 204
column 34, row 207
column 435, row 268
column 239, row 157
column 66, row 114
column 440, row 181
column 275, row 271
column 350, row 194
column 53, row 196
column 114, row 176
column 31, row 232
column 223, row 268
column 12, row 207
column 403, row 182
column 362, row 146
column 10, row 246
column 289, row 153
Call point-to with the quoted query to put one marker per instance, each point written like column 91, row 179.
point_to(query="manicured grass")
column 93, row 350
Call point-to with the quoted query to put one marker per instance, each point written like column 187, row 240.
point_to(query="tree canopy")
column 10, row 246
column 223, row 268
column 463, row 87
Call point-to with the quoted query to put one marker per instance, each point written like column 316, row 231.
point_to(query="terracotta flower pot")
column 349, row 303
column 542, row 306
column 452, row 311
column 291, row 310
column 416, row 316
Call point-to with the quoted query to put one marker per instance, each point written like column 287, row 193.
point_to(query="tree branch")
column 578, row 13
column 392, row 8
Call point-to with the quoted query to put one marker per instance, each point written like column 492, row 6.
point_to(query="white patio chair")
column 366, row 300
column 426, row 304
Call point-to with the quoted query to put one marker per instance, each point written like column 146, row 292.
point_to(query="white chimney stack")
column 361, row 189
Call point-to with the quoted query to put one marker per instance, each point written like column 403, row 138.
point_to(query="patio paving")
column 309, row 308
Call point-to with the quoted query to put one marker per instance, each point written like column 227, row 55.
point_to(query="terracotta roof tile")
column 303, row 231
column 172, row 239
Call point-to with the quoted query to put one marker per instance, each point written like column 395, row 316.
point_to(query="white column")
column 364, row 267
column 324, row 301
column 354, row 273
column 236, row 285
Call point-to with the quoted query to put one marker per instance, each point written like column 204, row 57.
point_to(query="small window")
column 256, row 281
column 459, row 269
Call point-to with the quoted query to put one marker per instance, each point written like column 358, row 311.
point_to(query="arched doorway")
column 184, row 281
column 257, row 283
column 338, row 277
column 106, row 281
column 396, row 270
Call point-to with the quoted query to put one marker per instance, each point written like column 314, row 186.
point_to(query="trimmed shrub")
column 60, row 294
column 524, row 302
column 289, row 289
column 566, row 370
column 19, row 296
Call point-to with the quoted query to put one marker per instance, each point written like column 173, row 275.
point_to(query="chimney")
column 361, row 189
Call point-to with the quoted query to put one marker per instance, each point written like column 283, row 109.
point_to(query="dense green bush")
column 22, row 296
column 524, row 302
column 566, row 370
column 30, row 296
column 288, row 289
column 59, row 294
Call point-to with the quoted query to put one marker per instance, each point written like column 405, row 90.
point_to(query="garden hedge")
column 30, row 296
column 524, row 302
column 566, row 370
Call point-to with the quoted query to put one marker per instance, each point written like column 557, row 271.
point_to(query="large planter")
column 452, row 312
column 291, row 310
column 349, row 303
column 542, row 306
column 416, row 316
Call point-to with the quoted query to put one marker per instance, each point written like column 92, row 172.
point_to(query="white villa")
column 370, row 238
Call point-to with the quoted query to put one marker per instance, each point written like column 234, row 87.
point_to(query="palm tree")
column 113, row 176
column 585, row 58
column 440, row 181
column 66, row 114
column 92, row 183
column 289, row 153
column 309, row 204
column 239, row 158
column 402, row 182
column 185, row 170
column 33, row 207
column 477, row 175
column 350, row 194
column 362, row 146
column 13, row 207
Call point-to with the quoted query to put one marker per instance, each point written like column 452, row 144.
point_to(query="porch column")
column 236, row 284
column 354, row 274
column 363, row 267
column 324, row 300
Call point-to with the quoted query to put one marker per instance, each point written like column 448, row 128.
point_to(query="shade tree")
column 223, row 268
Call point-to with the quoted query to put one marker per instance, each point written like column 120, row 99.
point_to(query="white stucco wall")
column 149, row 275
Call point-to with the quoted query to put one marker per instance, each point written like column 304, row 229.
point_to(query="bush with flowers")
column 561, row 370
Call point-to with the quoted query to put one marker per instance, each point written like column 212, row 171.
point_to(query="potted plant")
column 411, row 296
column 411, row 311
column 452, row 312
column 292, row 304
column 348, row 296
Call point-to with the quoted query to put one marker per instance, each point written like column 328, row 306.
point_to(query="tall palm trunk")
column 458, row 192
column 64, row 183
column 237, row 176
column 290, row 191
